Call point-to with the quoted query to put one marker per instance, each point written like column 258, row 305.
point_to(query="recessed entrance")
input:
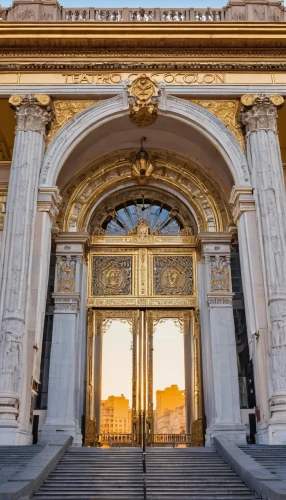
column 144, row 384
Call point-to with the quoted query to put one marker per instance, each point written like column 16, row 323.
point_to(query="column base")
column 14, row 436
column 233, row 432
column 51, row 431
column 277, row 430
column 9, row 409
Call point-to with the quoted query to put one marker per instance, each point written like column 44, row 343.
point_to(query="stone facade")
column 223, row 165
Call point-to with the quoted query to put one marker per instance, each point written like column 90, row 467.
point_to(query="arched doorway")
column 99, row 187
column 143, row 269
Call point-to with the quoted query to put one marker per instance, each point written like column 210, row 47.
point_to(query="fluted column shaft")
column 259, row 115
column 33, row 114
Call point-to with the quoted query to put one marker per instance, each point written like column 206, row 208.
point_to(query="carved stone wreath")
column 111, row 275
column 173, row 275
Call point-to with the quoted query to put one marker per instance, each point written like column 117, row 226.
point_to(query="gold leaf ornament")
column 143, row 106
column 15, row 100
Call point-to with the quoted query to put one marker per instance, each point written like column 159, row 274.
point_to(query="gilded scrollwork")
column 228, row 112
column 65, row 111
column 173, row 275
column 111, row 275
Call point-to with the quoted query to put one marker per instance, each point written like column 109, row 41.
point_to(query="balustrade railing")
column 250, row 10
column 170, row 438
column 115, row 439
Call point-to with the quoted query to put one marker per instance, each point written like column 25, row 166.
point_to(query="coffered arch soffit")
column 173, row 173
column 177, row 119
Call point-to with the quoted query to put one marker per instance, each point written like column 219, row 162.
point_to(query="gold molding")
column 142, row 293
column 195, row 183
column 65, row 110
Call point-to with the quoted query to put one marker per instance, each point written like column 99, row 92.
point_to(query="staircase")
column 15, row 458
column 96, row 473
column 117, row 473
column 272, row 457
column 191, row 473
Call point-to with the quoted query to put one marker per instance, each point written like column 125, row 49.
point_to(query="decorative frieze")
column 33, row 112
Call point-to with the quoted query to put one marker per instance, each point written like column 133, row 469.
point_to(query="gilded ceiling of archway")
column 192, row 182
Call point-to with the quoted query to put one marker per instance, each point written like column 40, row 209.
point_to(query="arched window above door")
column 161, row 213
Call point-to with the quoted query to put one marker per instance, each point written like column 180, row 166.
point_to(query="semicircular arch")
column 71, row 134
column 176, row 174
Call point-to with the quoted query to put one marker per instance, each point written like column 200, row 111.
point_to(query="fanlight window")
column 159, row 217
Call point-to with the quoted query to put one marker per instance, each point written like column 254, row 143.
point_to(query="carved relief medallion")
column 173, row 275
column 111, row 275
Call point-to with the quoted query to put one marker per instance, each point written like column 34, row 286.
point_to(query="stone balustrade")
column 234, row 11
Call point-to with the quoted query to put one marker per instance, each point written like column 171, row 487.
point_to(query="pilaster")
column 67, row 362
column 259, row 116
column 245, row 216
column 218, row 339
column 33, row 115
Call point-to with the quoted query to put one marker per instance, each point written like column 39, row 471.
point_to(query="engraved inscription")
column 112, row 275
column 173, row 275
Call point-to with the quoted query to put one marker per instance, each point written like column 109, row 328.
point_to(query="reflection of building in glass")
column 170, row 415
column 116, row 416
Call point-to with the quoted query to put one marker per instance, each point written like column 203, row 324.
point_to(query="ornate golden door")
column 142, row 279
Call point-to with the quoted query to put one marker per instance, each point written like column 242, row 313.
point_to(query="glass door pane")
column 169, row 382
column 116, row 396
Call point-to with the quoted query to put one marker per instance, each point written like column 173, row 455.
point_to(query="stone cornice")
column 49, row 200
column 148, row 35
column 220, row 299
column 242, row 200
column 148, row 66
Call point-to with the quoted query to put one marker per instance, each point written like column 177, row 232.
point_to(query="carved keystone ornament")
column 143, row 101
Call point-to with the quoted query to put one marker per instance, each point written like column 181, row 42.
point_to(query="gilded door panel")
column 142, row 277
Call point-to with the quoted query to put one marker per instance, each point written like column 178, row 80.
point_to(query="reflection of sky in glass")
column 156, row 217
column 117, row 361
column 168, row 353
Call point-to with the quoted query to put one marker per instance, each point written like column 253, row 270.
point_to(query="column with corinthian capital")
column 33, row 114
column 259, row 116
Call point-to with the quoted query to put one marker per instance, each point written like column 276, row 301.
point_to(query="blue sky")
column 135, row 3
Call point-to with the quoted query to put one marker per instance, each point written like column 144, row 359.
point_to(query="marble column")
column 245, row 216
column 68, row 353
column 219, row 361
column 259, row 116
column 33, row 114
